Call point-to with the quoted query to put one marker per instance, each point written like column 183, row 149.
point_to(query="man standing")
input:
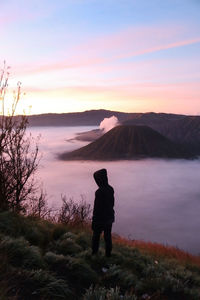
column 103, row 212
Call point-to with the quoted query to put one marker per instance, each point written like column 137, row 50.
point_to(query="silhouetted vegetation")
column 18, row 155
column 74, row 213
column 47, row 260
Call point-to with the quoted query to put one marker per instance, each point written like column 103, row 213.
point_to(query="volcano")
column 128, row 142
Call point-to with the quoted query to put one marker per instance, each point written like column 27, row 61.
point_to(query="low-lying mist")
column 155, row 200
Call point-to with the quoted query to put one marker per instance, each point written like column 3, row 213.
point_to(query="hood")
column 101, row 178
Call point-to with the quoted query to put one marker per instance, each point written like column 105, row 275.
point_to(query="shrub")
column 68, row 235
column 173, row 282
column 106, row 294
column 117, row 276
column 75, row 270
column 57, row 289
column 58, row 231
column 18, row 252
column 74, row 213
column 57, row 263
column 11, row 223
column 84, row 240
column 34, row 235
column 18, row 156
column 35, row 231
column 67, row 246
column 39, row 284
column 81, row 274
column 97, row 262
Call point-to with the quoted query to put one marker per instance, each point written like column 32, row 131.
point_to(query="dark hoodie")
column 104, row 199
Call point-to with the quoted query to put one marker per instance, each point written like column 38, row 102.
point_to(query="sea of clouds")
column 156, row 200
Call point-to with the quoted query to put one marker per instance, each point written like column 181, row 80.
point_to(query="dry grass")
column 159, row 251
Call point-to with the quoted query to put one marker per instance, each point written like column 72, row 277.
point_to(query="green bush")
column 83, row 239
column 34, row 230
column 117, row 276
column 57, row 289
column 68, row 235
column 81, row 273
column 75, row 270
column 40, row 284
column 106, row 294
column 11, row 223
column 57, row 263
column 37, row 232
column 18, row 252
column 67, row 246
column 174, row 283
column 58, row 231
column 34, row 236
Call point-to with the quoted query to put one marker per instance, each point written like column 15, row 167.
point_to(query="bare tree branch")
column 18, row 157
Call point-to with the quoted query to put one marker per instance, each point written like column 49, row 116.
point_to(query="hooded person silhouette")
column 103, row 212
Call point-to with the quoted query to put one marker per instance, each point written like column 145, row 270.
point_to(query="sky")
column 124, row 55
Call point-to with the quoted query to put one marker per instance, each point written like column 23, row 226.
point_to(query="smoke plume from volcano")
column 108, row 123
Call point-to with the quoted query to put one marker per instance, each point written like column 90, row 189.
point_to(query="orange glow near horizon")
column 138, row 98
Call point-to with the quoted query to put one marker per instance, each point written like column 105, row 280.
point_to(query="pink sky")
column 80, row 64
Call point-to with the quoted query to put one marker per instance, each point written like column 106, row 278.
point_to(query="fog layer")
column 155, row 200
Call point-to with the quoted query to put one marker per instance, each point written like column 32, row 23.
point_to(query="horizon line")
column 100, row 109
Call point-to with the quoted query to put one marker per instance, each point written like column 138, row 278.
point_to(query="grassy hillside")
column 45, row 260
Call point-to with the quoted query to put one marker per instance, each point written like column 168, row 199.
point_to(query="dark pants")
column 97, row 230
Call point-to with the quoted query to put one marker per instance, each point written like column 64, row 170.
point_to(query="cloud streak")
column 117, row 47
column 163, row 47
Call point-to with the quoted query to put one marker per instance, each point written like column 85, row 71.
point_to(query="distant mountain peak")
column 128, row 142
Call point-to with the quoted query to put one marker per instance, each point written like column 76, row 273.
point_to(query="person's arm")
column 113, row 198
column 97, row 202
column 94, row 208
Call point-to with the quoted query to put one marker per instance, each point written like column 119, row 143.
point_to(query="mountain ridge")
column 90, row 117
